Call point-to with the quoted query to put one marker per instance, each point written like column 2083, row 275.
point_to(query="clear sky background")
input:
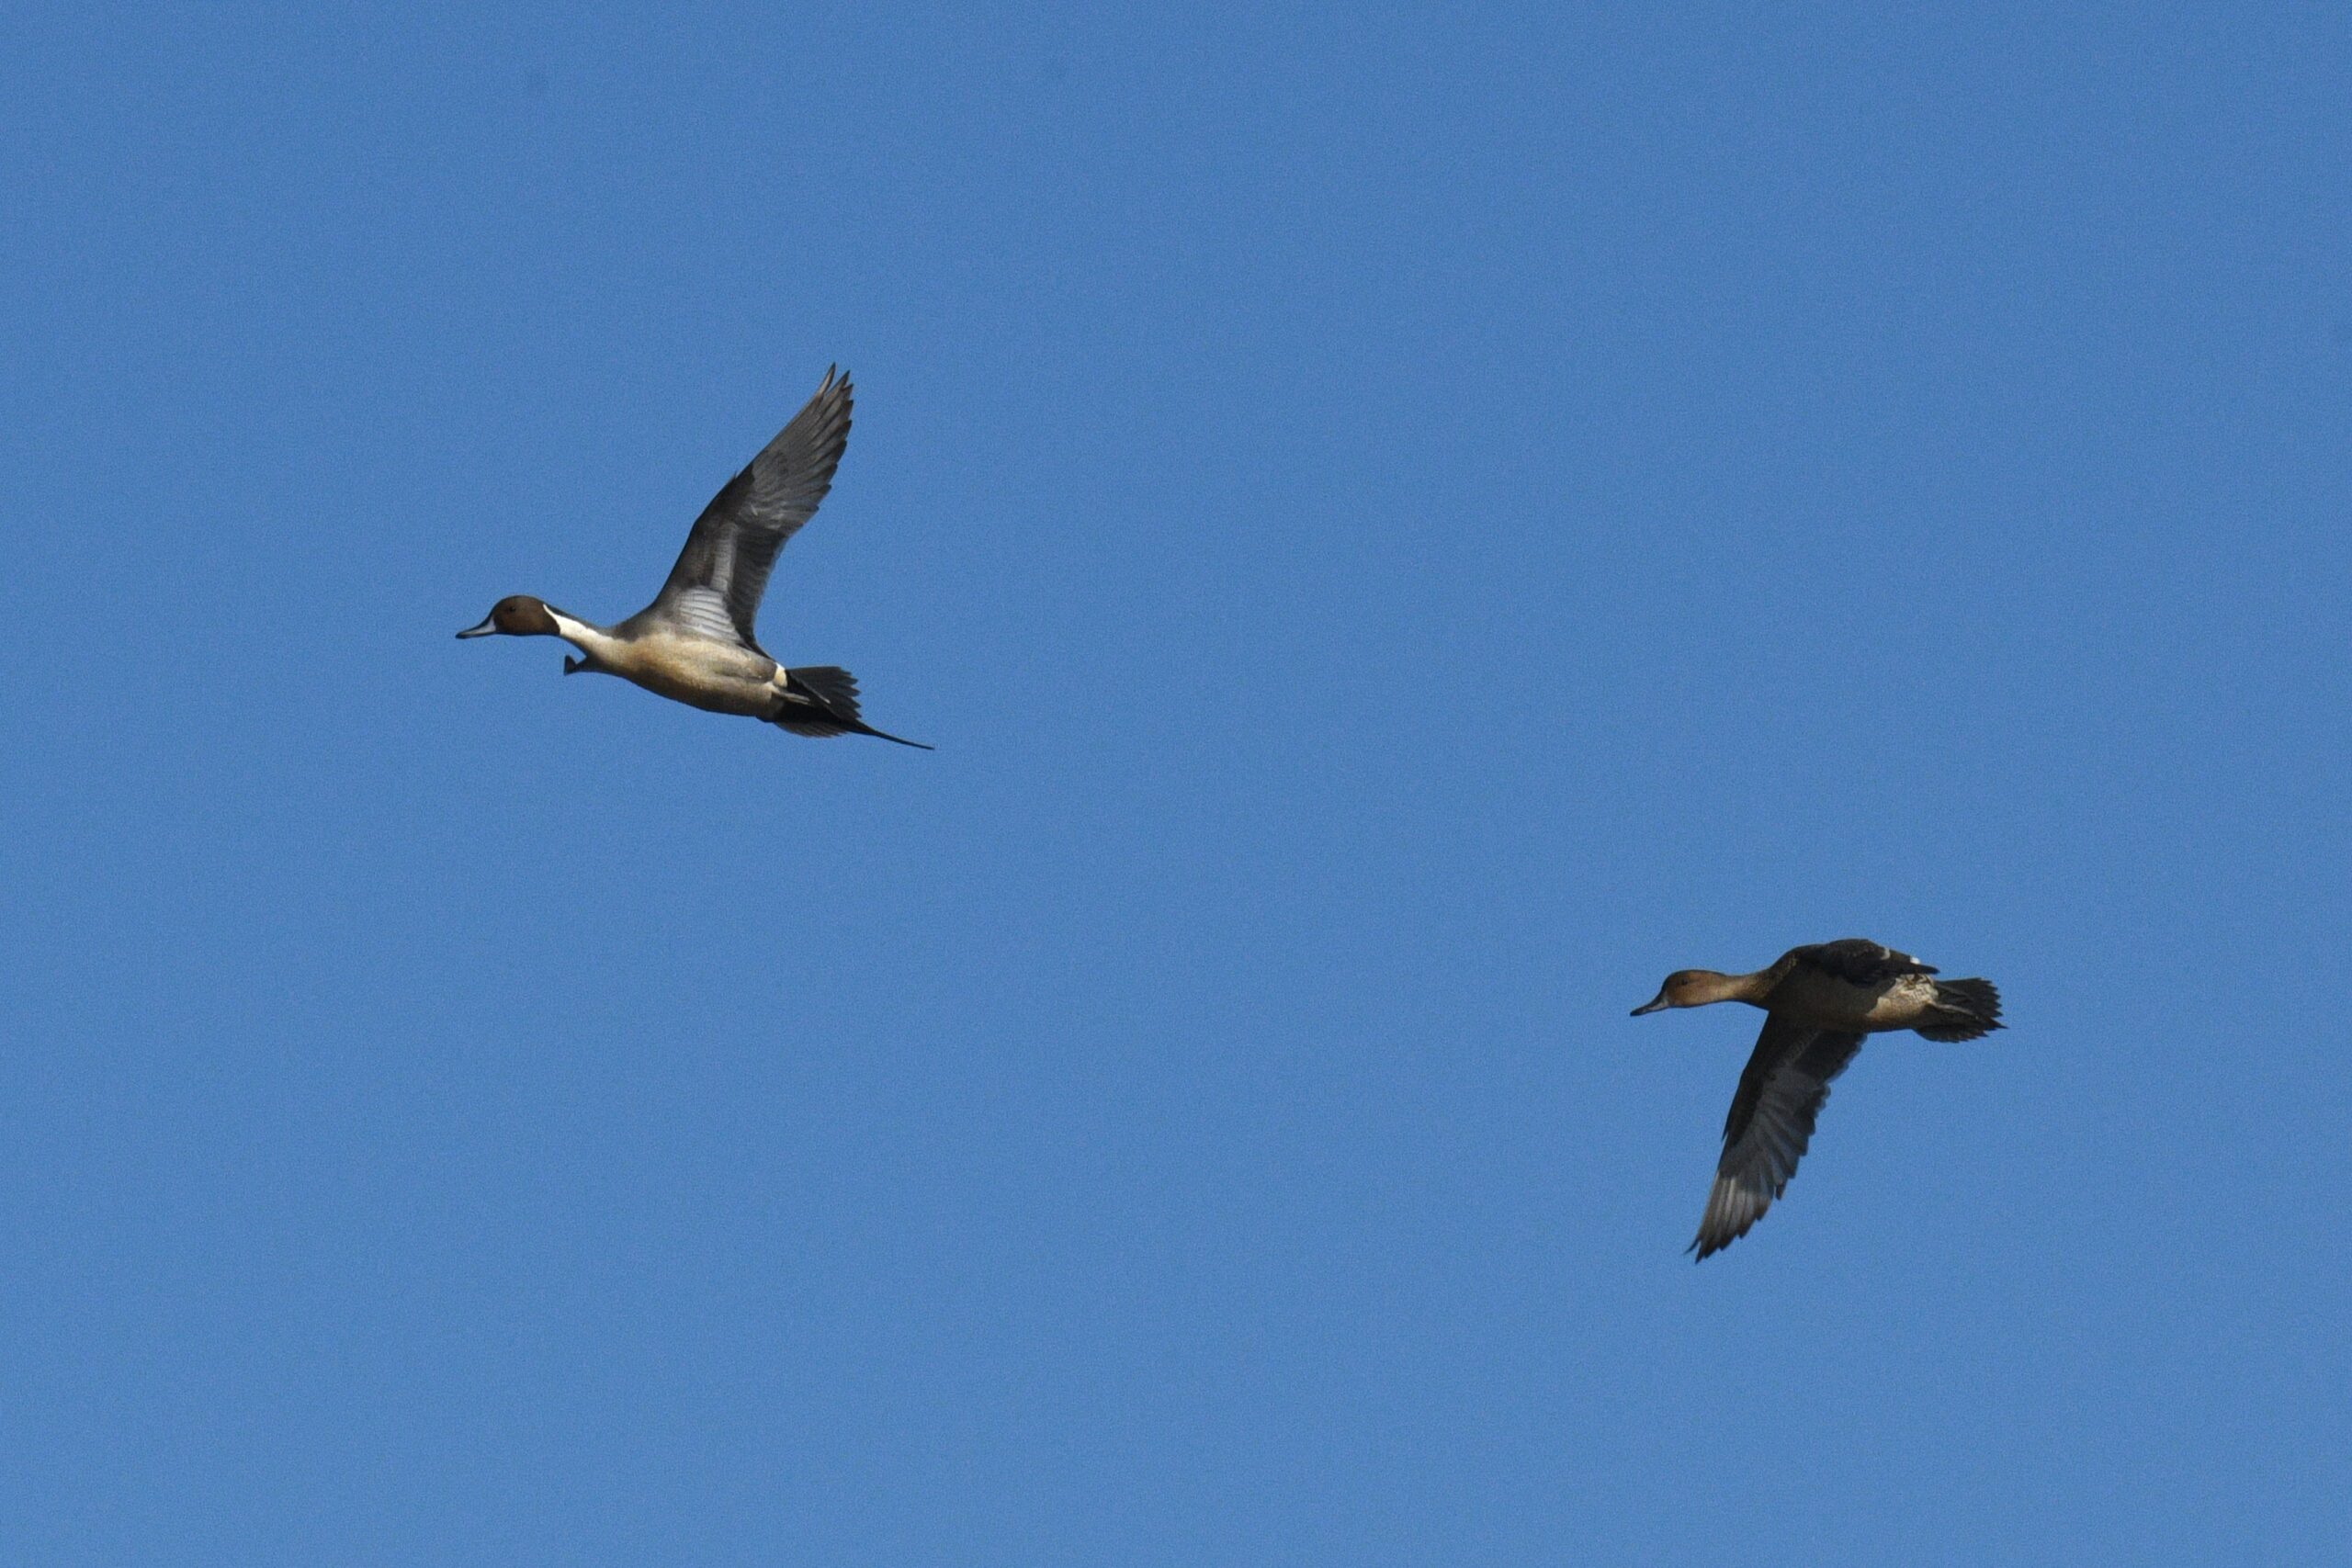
column 1404, row 525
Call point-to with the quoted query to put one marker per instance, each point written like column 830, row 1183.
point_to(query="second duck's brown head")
column 1690, row 988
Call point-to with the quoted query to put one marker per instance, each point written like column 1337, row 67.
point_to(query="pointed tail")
column 1973, row 1007
column 832, row 693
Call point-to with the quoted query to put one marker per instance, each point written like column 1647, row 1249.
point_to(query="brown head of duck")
column 517, row 615
column 1696, row 988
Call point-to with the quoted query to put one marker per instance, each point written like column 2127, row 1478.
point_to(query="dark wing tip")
column 1732, row 1212
column 1711, row 1239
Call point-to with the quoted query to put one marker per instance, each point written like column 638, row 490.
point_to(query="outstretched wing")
column 1861, row 961
column 1785, row 1085
column 723, row 571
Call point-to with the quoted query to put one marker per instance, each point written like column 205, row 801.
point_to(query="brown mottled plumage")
column 1820, row 1000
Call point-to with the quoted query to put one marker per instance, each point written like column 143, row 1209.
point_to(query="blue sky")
column 1404, row 525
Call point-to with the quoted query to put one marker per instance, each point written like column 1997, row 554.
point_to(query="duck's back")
column 1853, row 983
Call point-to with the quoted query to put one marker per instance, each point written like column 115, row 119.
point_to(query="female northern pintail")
column 693, row 643
column 1819, row 1002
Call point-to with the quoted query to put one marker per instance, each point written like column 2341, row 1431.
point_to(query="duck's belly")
column 715, row 679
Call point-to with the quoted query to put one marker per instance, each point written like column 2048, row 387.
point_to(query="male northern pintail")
column 693, row 643
column 1819, row 1001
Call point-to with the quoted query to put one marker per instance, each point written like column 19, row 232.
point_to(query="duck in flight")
column 1818, row 1002
column 694, row 644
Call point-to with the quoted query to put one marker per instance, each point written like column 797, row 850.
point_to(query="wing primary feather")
column 732, row 548
column 1781, row 1094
